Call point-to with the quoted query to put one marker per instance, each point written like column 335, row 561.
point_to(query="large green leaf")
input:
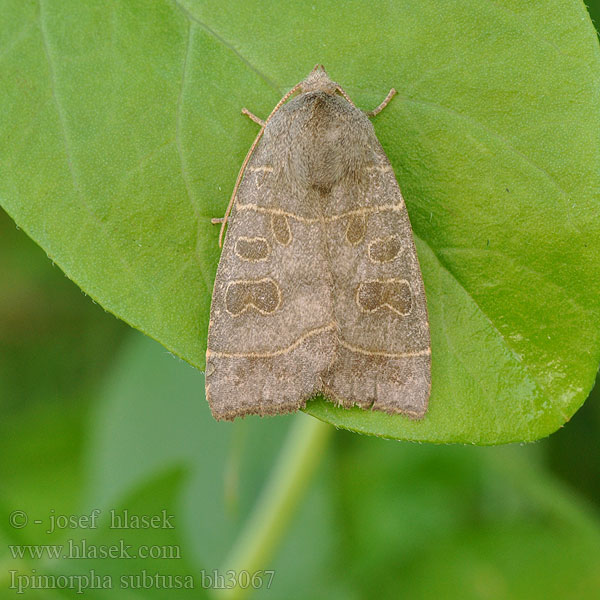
column 120, row 137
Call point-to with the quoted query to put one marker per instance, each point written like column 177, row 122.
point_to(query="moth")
column 318, row 288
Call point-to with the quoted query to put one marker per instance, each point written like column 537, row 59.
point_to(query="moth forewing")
column 318, row 288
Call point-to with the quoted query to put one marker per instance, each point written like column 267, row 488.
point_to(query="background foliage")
column 94, row 415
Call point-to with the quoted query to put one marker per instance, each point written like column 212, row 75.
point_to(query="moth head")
column 318, row 81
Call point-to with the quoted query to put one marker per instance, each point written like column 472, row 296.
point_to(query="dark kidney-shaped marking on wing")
column 391, row 294
column 357, row 227
column 281, row 229
column 262, row 295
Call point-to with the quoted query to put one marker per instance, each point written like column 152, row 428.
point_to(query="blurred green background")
column 94, row 415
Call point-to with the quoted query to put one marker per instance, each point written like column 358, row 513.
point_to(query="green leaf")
column 120, row 137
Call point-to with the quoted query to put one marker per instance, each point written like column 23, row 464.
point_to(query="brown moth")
column 318, row 288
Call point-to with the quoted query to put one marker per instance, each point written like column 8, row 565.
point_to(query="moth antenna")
column 386, row 101
column 237, row 185
column 292, row 91
column 252, row 116
column 248, row 156
column 342, row 91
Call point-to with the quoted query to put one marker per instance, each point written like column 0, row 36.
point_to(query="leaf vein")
column 512, row 351
column 225, row 43
column 494, row 134
column 53, row 88
column 543, row 276
column 69, row 151
column 179, row 144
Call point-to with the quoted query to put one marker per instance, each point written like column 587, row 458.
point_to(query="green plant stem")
column 299, row 457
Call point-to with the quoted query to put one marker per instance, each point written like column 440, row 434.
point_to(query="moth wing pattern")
column 271, row 333
column 383, row 355
column 318, row 288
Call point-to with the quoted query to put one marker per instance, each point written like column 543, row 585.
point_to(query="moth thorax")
column 327, row 167
column 318, row 81
column 334, row 148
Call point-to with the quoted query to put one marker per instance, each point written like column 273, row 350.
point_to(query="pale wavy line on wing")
column 279, row 352
column 424, row 352
column 298, row 342
column 325, row 219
